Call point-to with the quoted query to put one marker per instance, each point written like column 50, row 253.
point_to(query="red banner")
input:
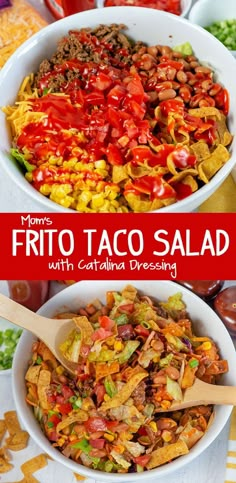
column 103, row 246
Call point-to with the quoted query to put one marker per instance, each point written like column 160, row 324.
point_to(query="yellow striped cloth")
column 230, row 475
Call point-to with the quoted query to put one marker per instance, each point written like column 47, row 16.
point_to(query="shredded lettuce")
column 110, row 386
column 173, row 389
column 185, row 49
column 173, row 304
column 71, row 347
column 127, row 352
column 21, row 160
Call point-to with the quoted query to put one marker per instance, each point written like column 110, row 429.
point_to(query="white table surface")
column 209, row 467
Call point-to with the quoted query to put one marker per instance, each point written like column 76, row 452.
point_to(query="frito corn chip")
column 211, row 165
column 17, row 441
column 85, row 328
column 205, row 112
column 167, row 453
column 43, row 384
column 34, row 464
column 4, row 453
column 79, row 477
column 3, row 429
column 103, row 369
column 182, row 175
column 5, row 466
column 12, row 422
column 125, row 392
column 32, row 374
column 78, row 416
column 223, row 133
column 27, row 479
column 200, row 150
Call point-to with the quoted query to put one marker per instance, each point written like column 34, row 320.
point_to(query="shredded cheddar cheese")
column 17, row 23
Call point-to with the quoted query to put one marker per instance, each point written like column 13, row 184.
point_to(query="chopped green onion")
column 39, row 360
column 193, row 363
column 225, row 31
column 8, row 341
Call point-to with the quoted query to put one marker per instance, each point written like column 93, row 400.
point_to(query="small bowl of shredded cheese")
column 18, row 21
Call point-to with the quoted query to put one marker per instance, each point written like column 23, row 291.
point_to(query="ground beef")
column 139, row 394
column 103, row 44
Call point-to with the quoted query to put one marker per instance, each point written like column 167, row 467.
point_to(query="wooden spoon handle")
column 214, row 394
column 21, row 316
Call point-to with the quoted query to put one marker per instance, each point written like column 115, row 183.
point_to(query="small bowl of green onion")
column 218, row 18
column 9, row 337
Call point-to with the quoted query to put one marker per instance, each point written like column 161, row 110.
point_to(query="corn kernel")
column 29, row 177
column 118, row 346
column 109, row 437
column 59, row 370
column 61, row 441
column 119, row 448
column 100, row 164
column 153, row 426
column 72, row 437
column 166, row 436
column 106, row 397
column 206, row 346
column 165, row 404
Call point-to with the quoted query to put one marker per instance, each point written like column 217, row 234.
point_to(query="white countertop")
column 209, row 467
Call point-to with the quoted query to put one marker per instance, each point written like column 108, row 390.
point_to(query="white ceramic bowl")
column 205, row 12
column 185, row 6
column 206, row 322
column 149, row 25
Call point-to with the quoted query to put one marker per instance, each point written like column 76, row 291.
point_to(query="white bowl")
column 206, row 322
column 149, row 25
column 205, row 12
column 185, row 6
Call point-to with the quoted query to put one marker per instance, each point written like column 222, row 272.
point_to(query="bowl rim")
column 195, row 198
column 59, row 299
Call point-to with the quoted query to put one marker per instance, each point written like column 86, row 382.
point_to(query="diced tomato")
column 100, row 392
column 97, row 443
column 126, row 331
column 51, row 398
column 142, row 460
column 84, row 350
column 106, row 322
column 140, row 330
column 67, row 392
column 182, row 158
column 102, row 81
column 101, row 334
column 95, row 424
column 65, row 408
column 126, row 308
column 172, row 105
column 135, row 89
column 114, row 155
column 116, row 95
column 54, row 419
column 183, row 190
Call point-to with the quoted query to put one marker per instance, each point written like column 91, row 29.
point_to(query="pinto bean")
column 185, row 93
column 207, row 84
column 170, row 74
column 165, row 50
column 172, row 372
column 215, row 89
column 203, row 69
column 166, row 94
column 194, row 102
column 159, row 380
column 181, row 76
column 157, row 345
column 152, row 51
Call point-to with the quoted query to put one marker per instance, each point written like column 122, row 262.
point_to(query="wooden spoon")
column 51, row 331
column 202, row 393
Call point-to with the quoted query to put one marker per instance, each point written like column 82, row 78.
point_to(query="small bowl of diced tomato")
column 177, row 7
